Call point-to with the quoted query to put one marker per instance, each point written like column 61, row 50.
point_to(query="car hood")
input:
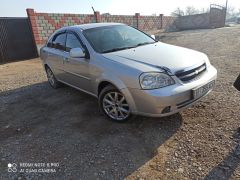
column 160, row 55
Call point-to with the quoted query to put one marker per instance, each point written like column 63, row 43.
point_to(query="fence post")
column 137, row 16
column 161, row 20
column 33, row 24
column 97, row 16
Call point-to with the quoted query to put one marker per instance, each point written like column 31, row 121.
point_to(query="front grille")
column 191, row 74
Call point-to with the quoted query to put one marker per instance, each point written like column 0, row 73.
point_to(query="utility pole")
column 226, row 5
column 226, row 11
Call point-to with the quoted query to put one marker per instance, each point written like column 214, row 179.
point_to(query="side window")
column 59, row 41
column 49, row 43
column 72, row 42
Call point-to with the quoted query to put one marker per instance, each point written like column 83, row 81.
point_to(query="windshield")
column 114, row 38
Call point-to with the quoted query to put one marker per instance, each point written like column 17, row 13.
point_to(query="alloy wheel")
column 50, row 77
column 116, row 106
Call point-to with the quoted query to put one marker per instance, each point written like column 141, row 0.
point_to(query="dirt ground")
column 41, row 125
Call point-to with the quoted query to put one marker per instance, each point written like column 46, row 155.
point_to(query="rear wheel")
column 114, row 104
column 52, row 79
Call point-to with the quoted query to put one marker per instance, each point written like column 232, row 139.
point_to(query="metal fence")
column 16, row 40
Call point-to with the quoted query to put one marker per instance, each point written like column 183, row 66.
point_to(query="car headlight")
column 154, row 80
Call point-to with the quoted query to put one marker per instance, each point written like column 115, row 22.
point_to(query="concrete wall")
column 44, row 24
column 196, row 21
column 214, row 19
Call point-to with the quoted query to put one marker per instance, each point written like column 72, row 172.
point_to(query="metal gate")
column 217, row 16
column 16, row 40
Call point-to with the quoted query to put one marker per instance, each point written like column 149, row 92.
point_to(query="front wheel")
column 52, row 79
column 113, row 104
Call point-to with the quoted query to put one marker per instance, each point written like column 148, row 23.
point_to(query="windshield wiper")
column 141, row 44
column 129, row 47
column 117, row 49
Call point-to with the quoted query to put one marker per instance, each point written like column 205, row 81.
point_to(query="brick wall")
column 44, row 24
column 129, row 20
column 147, row 23
column 167, row 21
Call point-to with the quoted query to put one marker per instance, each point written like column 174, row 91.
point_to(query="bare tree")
column 203, row 10
column 231, row 12
column 177, row 12
column 238, row 13
column 190, row 10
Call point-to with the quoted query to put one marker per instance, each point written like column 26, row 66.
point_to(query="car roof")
column 90, row 26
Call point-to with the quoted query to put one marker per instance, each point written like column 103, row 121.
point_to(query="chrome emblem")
column 196, row 72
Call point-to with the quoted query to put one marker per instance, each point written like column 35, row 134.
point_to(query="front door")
column 76, row 69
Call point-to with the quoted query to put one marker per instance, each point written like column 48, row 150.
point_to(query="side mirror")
column 153, row 36
column 77, row 53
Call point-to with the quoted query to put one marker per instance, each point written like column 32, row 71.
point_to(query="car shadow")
column 225, row 169
column 40, row 124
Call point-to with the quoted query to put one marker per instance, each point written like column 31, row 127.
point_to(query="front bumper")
column 169, row 100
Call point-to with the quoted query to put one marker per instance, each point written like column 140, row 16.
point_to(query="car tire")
column 113, row 104
column 52, row 79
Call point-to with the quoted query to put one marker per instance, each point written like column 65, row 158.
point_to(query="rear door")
column 56, row 54
column 76, row 69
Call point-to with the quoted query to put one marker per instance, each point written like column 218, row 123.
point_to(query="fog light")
column 166, row 110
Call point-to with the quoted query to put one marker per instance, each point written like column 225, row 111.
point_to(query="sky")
column 17, row 8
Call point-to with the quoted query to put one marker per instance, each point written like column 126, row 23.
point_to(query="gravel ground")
column 42, row 125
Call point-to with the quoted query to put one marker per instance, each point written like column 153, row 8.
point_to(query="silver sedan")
column 127, row 70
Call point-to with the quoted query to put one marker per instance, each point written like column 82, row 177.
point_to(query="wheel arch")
column 102, row 85
column 46, row 66
column 123, row 90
